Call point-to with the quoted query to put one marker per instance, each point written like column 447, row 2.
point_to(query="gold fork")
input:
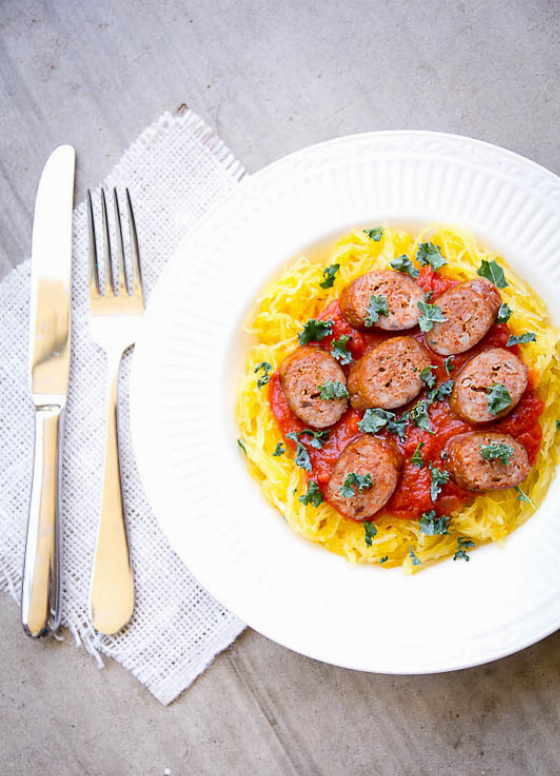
column 115, row 315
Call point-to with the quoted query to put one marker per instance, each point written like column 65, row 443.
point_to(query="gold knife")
column 49, row 361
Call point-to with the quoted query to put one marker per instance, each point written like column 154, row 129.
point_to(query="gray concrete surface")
column 271, row 78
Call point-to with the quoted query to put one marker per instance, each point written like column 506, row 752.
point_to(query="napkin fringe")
column 198, row 129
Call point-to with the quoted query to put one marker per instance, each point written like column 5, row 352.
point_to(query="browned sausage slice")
column 472, row 471
column 301, row 374
column 469, row 399
column 401, row 292
column 469, row 308
column 389, row 376
column 364, row 456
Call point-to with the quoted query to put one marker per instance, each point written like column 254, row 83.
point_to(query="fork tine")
column 92, row 251
column 109, row 279
column 135, row 253
column 120, row 245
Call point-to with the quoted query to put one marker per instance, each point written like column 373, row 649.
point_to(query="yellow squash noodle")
column 281, row 312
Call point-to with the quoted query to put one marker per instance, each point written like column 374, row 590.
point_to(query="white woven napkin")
column 175, row 171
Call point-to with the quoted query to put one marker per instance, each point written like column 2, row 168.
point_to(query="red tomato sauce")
column 412, row 496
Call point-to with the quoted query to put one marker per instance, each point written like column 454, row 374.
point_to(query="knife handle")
column 40, row 599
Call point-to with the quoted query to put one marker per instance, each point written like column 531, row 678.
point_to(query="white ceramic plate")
column 185, row 371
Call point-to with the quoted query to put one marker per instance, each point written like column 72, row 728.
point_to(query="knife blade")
column 49, row 363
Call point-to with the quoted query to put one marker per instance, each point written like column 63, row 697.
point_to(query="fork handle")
column 112, row 581
column 40, row 606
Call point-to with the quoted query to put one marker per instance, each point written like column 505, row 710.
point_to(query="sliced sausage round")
column 301, row 375
column 469, row 398
column 475, row 464
column 401, row 292
column 470, row 309
column 388, row 376
column 364, row 456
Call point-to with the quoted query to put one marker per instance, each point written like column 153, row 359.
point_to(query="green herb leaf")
column 428, row 377
column 318, row 438
column 415, row 560
column 370, row 532
column 522, row 339
column 441, row 392
column 492, row 271
column 462, row 546
column 429, row 253
column 383, row 560
column 241, row 444
column 302, row 456
column 432, row 525
column 403, row 264
column 439, row 478
column 279, row 450
column 398, row 426
column 498, row 398
column 265, row 367
column 375, row 234
column 523, row 496
column 420, row 417
column 504, row 313
column 431, row 314
column 313, row 495
column 329, row 275
column 497, row 451
column 333, row 390
column 361, row 481
column 315, row 331
column 417, row 459
column 377, row 306
column 557, row 424
column 449, row 364
column 339, row 350
column 374, row 420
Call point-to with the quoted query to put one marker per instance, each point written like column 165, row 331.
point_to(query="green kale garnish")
column 370, row 532
column 417, row 459
column 497, row 451
column 339, row 350
column 318, row 438
column 361, row 481
column 492, row 271
column 377, row 306
column 504, row 313
column 415, row 560
column 329, row 275
column 265, row 367
column 462, row 546
column 403, row 264
column 420, row 417
column 522, row 339
column 302, row 456
column 374, row 420
column 431, row 314
column 439, row 478
column 315, row 331
column 313, row 495
column 429, row 253
column 333, row 390
column 375, row 234
column 498, row 398
column 432, row 525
